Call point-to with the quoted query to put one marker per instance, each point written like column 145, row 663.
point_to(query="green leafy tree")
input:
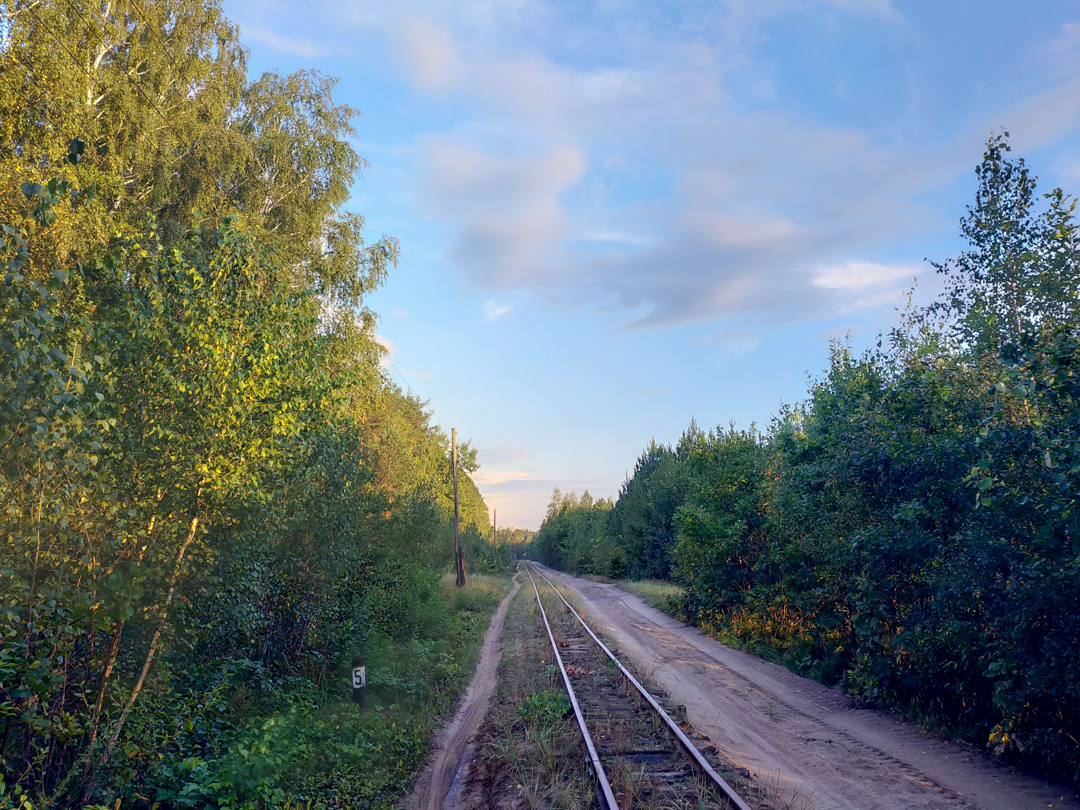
column 157, row 91
column 574, row 535
column 211, row 492
column 198, row 376
column 723, row 522
column 1020, row 277
column 643, row 519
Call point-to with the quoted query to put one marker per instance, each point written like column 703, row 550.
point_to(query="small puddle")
column 451, row 800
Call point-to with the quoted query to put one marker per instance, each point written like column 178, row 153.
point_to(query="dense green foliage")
column 574, row 535
column 210, row 496
column 911, row 529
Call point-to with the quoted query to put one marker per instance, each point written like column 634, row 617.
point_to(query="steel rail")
column 606, row 795
column 701, row 765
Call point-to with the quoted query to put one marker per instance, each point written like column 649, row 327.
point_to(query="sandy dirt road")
column 442, row 779
column 806, row 742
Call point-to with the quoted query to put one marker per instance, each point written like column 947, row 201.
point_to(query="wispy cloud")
column 488, row 478
column 868, row 284
column 391, row 355
column 877, row 8
column 860, row 276
column 1062, row 50
column 503, row 455
column 508, row 208
column 742, row 165
column 428, row 56
column 521, row 501
column 713, row 233
column 615, row 237
column 735, row 343
column 280, row 42
column 391, row 350
column 420, row 376
column 682, row 166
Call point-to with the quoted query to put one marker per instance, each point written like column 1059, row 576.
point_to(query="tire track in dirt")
column 809, row 741
column 438, row 786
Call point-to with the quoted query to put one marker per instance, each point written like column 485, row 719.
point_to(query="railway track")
column 637, row 753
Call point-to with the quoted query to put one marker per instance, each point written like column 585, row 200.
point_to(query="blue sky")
column 616, row 216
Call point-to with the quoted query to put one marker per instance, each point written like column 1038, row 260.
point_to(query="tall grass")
column 665, row 596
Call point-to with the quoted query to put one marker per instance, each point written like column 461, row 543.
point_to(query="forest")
column 211, row 495
column 910, row 530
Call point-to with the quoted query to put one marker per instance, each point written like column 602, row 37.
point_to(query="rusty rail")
column 697, row 759
column 604, row 792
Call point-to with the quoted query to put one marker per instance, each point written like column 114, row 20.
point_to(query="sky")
column 617, row 216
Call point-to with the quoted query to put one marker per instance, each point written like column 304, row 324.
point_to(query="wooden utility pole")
column 459, row 558
column 495, row 529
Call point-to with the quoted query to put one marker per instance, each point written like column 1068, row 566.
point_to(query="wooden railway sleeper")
column 697, row 760
column 604, row 793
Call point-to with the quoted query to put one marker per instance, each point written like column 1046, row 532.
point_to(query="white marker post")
column 359, row 682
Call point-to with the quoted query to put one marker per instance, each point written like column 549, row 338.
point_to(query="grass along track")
column 527, row 753
column 646, row 759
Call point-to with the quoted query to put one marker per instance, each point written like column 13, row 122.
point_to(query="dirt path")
column 441, row 781
column 805, row 741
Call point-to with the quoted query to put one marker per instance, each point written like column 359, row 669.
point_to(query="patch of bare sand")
column 805, row 742
column 439, row 784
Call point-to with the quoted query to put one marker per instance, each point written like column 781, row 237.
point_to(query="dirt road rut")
column 437, row 786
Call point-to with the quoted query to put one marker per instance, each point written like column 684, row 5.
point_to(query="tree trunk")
column 110, row 660
column 153, row 642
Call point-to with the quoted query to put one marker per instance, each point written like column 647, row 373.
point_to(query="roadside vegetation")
column 665, row 596
column 211, row 498
column 910, row 531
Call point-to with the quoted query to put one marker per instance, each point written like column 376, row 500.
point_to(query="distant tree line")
column 911, row 531
column 210, row 495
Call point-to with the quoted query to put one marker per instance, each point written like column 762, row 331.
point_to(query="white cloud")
column 866, row 284
column 877, row 8
column 391, row 354
column 615, row 237
column 1062, row 50
column 508, row 208
column 490, row 478
column 735, row 343
column 660, row 163
column 505, row 454
column 420, row 376
column 521, row 498
column 742, row 230
column 607, row 86
column 464, row 181
column 296, row 47
column 391, row 350
column 721, row 231
column 862, row 276
column 428, row 56
column 1043, row 118
column 493, row 309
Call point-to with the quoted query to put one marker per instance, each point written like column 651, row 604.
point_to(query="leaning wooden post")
column 459, row 558
column 358, row 681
